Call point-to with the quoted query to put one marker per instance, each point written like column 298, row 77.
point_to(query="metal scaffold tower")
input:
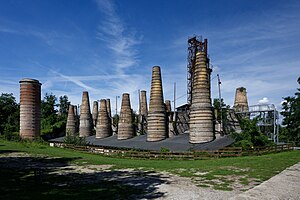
column 267, row 119
column 195, row 45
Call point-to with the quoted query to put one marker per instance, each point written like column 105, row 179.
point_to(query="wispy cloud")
column 75, row 81
column 113, row 31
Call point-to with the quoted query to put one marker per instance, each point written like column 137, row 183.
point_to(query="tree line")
column 54, row 113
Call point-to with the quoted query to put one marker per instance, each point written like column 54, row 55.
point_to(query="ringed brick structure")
column 241, row 101
column 143, row 112
column 85, row 120
column 103, row 126
column 71, row 121
column 201, row 114
column 125, row 125
column 157, row 129
column 95, row 112
column 30, row 108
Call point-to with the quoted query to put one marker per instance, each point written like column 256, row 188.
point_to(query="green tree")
column 291, row 114
column 217, row 107
column 54, row 124
column 48, row 105
column 250, row 135
column 9, row 114
column 221, row 113
column 64, row 105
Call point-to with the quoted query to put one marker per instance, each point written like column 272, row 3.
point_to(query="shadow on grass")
column 54, row 178
column 7, row 151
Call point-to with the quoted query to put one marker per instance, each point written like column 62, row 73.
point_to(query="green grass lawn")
column 217, row 173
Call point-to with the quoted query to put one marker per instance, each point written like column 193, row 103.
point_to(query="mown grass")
column 251, row 167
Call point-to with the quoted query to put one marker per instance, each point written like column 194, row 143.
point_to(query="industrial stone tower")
column 108, row 107
column 143, row 108
column 143, row 112
column 201, row 111
column 95, row 112
column 125, row 125
column 168, row 106
column 76, row 118
column 30, row 108
column 240, row 101
column 85, row 121
column 157, row 114
column 103, row 126
column 71, row 121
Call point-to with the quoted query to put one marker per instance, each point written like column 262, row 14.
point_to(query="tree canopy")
column 291, row 121
column 9, row 114
column 54, row 115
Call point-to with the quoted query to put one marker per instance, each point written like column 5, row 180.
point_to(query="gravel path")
column 184, row 189
column 285, row 185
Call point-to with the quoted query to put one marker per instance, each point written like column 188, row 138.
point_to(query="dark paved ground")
column 176, row 143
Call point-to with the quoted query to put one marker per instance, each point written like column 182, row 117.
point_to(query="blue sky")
column 109, row 47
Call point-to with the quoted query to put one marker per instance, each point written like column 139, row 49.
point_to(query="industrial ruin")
column 30, row 108
column 195, row 121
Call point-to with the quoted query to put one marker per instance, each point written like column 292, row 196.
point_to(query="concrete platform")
column 178, row 143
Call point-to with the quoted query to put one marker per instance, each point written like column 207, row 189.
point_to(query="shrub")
column 75, row 140
column 250, row 135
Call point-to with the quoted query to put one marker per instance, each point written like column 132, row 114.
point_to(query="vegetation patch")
column 237, row 172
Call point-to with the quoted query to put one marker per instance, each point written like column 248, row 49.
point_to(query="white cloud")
column 118, row 39
column 264, row 100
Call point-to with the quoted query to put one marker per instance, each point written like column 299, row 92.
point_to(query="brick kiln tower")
column 241, row 101
column 157, row 129
column 143, row 112
column 95, row 112
column 85, row 121
column 71, row 121
column 103, row 126
column 125, row 126
column 30, row 108
column 201, row 111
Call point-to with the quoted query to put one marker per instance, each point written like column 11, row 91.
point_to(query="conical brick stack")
column 71, row 121
column 201, row 114
column 95, row 112
column 157, row 114
column 125, row 125
column 85, row 121
column 241, row 102
column 103, row 127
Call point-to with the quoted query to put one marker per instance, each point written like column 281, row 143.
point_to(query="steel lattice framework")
column 195, row 44
column 267, row 116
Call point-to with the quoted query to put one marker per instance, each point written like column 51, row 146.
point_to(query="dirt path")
column 285, row 185
column 184, row 189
